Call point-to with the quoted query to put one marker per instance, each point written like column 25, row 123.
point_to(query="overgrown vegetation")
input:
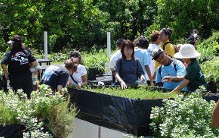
column 45, row 112
column 188, row 116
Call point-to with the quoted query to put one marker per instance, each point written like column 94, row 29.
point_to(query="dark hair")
column 142, row 42
column 75, row 54
column 154, row 35
column 119, row 42
column 167, row 31
column 195, row 31
column 16, row 43
column 68, row 64
column 128, row 44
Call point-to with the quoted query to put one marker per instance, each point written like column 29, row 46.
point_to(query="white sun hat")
column 187, row 51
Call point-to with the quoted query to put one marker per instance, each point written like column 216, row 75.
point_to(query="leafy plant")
column 210, row 70
column 96, row 59
column 188, row 116
column 43, row 113
column 133, row 93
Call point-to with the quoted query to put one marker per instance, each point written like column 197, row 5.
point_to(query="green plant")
column 96, row 59
column 210, row 70
column 142, row 92
column 188, row 116
column 34, row 114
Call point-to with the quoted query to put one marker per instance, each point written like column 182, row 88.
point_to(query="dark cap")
column 142, row 42
column 156, row 52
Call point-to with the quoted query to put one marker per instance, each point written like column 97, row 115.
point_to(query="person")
column 36, row 70
column 16, row 65
column 155, row 41
column 79, row 76
column 192, row 38
column 76, row 54
column 194, row 77
column 164, row 36
column 215, row 115
column 128, row 68
column 142, row 54
column 56, row 76
column 115, row 56
column 169, row 67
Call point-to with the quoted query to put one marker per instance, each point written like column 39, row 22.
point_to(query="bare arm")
column 4, row 67
column 184, row 83
column 84, row 80
column 122, row 83
column 173, row 78
column 59, row 87
column 149, row 74
column 215, row 115
column 33, row 64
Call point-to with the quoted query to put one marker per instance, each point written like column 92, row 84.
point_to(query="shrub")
column 38, row 113
column 184, row 117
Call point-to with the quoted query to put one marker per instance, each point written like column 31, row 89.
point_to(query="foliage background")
column 78, row 24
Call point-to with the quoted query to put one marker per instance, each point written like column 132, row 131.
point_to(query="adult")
column 16, row 65
column 192, row 38
column 194, row 77
column 155, row 41
column 128, row 68
column 76, row 54
column 79, row 76
column 142, row 54
column 115, row 56
column 169, row 67
column 164, row 36
column 56, row 76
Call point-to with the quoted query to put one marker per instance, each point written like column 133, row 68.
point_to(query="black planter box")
column 11, row 131
column 127, row 115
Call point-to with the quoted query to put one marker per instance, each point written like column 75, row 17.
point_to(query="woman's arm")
column 4, row 67
column 184, row 83
column 173, row 78
column 122, row 83
column 84, row 80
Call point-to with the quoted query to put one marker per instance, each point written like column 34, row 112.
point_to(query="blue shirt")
column 143, row 57
column 170, row 70
column 129, row 70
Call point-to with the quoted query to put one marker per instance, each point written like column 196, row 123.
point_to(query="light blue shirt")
column 144, row 58
column 170, row 70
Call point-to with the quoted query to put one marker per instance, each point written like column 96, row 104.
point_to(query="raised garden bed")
column 129, row 115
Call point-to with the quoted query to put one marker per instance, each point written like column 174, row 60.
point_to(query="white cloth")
column 151, row 47
column 81, row 71
column 113, row 58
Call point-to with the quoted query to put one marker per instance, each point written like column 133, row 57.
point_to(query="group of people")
column 159, row 63
column 21, row 68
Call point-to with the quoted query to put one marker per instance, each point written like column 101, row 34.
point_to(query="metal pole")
column 45, row 45
column 108, row 51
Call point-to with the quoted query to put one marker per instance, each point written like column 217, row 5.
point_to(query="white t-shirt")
column 81, row 71
column 114, row 57
column 151, row 47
